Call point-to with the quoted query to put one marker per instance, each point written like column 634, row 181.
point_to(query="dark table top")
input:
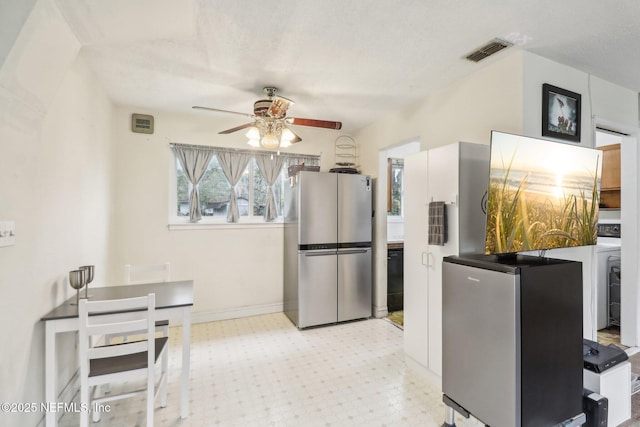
column 168, row 295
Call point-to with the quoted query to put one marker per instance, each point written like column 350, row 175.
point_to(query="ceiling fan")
column 270, row 125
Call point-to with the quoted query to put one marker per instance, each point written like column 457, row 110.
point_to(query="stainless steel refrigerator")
column 327, row 248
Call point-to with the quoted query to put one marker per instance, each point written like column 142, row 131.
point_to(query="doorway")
column 390, row 185
column 627, row 214
column 608, row 279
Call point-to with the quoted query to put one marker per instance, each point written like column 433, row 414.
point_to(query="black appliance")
column 609, row 230
column 395, row 279
column 599, row 358
column 512, row 335
column 596, row 408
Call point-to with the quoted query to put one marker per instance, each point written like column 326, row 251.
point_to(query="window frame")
column 390, row 167
column 178, row 222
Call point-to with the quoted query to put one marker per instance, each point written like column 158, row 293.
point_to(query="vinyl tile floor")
column 262, row 371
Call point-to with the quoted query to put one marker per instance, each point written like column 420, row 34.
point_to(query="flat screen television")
column 542, row 194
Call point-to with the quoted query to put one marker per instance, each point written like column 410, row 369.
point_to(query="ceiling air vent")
column 494, row 46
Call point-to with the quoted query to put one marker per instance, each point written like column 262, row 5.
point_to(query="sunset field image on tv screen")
column 542, row 194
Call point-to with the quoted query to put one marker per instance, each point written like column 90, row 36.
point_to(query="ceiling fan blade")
column 278, row 107
column 314, row 123
column 223, row 111
column 237, row 128
column 296, row 137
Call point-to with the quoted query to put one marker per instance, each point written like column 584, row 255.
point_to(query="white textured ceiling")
column 351, row 61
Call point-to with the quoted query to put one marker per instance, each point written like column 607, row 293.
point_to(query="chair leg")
column 84, row 400
column 150, row 402
column 95, row 414
column 106, row 388
column 164, row 375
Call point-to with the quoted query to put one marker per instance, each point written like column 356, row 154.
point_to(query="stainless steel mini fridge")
column 512, row 340
column 327, row 248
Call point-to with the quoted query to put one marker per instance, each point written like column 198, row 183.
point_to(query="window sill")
column 179, row 226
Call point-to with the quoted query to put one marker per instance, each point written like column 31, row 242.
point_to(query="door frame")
column 630, row 274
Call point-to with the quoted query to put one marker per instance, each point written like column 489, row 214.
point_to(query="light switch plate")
column 7, row 233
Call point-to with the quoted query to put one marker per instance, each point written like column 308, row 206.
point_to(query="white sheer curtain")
column 194, row 162
column 233, row 165
column 270, row 166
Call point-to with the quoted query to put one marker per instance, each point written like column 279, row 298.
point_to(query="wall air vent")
column 141, row 123
column 495, row 46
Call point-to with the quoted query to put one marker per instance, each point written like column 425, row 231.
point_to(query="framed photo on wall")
column 560, row 113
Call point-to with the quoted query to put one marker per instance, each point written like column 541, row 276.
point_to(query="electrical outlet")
column 7, row 233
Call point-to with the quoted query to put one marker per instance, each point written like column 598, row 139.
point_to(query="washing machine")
column 607, row 258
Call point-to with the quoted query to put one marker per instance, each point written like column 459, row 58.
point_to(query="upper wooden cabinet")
column 611, row 182
column 610, row 167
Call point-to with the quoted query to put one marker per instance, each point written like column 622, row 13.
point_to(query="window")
column 214, row 189
column 395, row 187
column 252, row 190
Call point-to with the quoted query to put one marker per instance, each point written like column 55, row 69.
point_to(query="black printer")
column 599, row 358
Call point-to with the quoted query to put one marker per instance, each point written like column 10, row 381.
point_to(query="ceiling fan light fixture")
column 270, row 141
column 269, row 126
column 285, row 143
column 253, row 133
column 287, row 135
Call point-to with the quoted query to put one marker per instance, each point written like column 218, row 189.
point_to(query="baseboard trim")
column 235, row 313
column 380, row 311
column 423, row 371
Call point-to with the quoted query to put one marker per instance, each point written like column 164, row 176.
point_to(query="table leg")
column 186, row 360
column 50, row 373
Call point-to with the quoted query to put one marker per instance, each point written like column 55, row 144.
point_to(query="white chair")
column 139, row 275
column 130, row 361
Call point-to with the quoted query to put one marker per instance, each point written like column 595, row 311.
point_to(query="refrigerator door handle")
column 352, row 251
column 318, row 253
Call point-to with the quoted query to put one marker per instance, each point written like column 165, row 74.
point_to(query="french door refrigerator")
column 327, row 248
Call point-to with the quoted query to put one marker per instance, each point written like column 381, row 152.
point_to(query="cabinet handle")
column 430, row 259
column 426, row 264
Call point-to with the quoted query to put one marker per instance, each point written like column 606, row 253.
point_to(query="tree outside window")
column 214, row 189
column 396, row 187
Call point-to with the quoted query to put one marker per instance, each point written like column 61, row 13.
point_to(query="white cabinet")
column 416, row 252
column 456, row 174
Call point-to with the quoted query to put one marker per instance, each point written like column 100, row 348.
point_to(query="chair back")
column 115, row 317
column 140, row 274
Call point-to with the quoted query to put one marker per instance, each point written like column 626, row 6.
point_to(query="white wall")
column 237, row 268
column 599, row 97
column 601, row 100
column 55, row 182
column 465, row 111
column 505, row 95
